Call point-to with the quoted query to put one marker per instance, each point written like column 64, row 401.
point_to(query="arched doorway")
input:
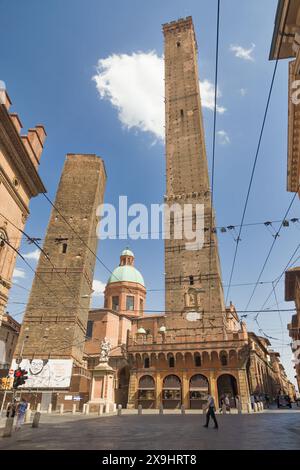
column 121, row 392
column 171, row 393
column 199, row 389
column 227, row 385
column 146, row 392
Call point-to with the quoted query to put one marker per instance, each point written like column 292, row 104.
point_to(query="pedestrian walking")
column 211, row 412
column 21, row 410
column 11, row 409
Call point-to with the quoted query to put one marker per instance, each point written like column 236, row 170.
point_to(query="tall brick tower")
column 55, row 321
column 193, row 278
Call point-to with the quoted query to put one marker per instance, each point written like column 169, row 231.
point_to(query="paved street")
column 268, row 430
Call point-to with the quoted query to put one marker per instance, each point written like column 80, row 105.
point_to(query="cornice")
column 16, row 152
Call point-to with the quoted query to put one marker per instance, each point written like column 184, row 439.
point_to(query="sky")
column 92, row 73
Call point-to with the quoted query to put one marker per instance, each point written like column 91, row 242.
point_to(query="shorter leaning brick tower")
column 54, row 327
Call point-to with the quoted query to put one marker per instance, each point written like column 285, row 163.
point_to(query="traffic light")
column 20, row 377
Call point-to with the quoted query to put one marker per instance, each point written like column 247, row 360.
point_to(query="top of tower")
column 181, row 23
column 127, row 252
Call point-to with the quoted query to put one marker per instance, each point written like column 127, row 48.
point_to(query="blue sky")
column 50, row 51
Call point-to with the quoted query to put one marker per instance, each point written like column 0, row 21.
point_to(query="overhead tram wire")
column 269, row 253
column 256, row 155
column 214, row 148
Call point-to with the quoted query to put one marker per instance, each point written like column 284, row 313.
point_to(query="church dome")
column 126, row 272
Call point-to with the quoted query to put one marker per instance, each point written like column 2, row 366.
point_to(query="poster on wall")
column 46, row 373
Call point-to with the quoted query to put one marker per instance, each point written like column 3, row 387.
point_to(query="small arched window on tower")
column 146, row 363
column 178, row 44
column 64, row 248
column 191, row 278
column 223, row 358
column 181, row 113
column 171, row 362
column 197, row 360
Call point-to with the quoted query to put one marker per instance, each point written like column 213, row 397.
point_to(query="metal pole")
column 3, row 402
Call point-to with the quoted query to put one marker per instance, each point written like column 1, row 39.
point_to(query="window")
column 171, row 361
column 198, row 361
column 3, row 237
column 115, row 303
column 181, row 113
column 191, row 280
column 141, row 305
column 64, row 248
column 146, row 363
column 89, row 329
column 129, row 302
column 224, row 361
column 178, row 44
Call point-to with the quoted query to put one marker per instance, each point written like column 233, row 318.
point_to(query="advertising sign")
column 43, row 373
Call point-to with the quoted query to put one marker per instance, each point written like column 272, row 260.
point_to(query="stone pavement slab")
column 264, row 431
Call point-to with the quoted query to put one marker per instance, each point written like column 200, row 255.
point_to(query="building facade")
column 286, row 45
column 53, row 332
column 9, row 333
column 19, row 182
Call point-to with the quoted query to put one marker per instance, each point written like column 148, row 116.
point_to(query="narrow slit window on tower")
column 191, row 280
column 64, row 248
column 178, row 44
column 181, row 113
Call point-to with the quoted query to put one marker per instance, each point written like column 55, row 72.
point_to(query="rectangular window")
column 89, row 329
column 115, row 303
column 129, row 302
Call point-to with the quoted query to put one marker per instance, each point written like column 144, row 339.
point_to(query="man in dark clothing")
column 211, row 412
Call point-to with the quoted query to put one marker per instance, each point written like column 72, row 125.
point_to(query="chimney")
column 37, row 138
column 4, row 98
column 16, row 122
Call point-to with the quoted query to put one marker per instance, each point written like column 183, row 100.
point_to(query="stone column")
column 213, row 387
column 243, row 389
column 132, row 391
column 185, row 391
column 158, row 391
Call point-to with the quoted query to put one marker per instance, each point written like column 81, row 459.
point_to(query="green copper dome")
column 126, row 274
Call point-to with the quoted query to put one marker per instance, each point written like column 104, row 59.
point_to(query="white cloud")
column 223, row 137
column 243, row 53
column 19, row 273
column 34, row 255
column 134, row 84
column 98, row 288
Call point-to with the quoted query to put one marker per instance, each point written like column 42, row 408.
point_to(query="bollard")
column 27, row 416
column 249, row 408
column 100, row 409
column 38, row 407
column 119, row 410
column 50, row 408
column 240, row 408
column 83, row 409
column 224, row 409
column 36, row 419
column 61, row 408
column 74, row 408
column 8, row 427
column 140, row 409
column 161, row 409
column 87, row 409
column 106, row 408
column 28, row 406
column 255, row 408
column 182, row 410
column 114, row 407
